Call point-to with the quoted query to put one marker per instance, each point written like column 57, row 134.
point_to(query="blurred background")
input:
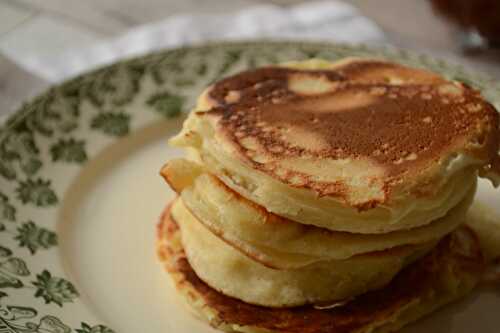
column 46, row 41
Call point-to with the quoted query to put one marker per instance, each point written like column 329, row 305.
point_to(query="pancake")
column 448, row 273
column 362, row 146
column 252, row 230
column 234, row 274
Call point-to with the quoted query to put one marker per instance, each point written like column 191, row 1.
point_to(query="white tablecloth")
column 315, row 20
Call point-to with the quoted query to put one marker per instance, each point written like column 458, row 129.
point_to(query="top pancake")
column 355, row 131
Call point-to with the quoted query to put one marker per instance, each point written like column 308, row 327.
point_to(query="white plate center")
column 107, row 236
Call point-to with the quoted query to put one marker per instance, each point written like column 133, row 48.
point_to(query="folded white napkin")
column 322, row 20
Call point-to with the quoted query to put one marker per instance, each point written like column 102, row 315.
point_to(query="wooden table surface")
column 28, row 24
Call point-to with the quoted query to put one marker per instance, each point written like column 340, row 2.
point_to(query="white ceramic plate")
column 80, row 193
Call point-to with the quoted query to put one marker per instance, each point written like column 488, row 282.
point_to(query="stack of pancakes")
column 327, row 191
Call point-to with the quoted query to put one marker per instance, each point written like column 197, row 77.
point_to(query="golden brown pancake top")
column 401, row 118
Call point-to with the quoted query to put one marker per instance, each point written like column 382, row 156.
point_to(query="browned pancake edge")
column 456, row 257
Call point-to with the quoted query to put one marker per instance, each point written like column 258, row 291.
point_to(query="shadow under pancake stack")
column 327, row 197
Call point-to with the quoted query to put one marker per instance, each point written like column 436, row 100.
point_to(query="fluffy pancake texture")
column 234, row 274
column 328, row 197
column 449, row 272
column 362, row 146
column 254, row 231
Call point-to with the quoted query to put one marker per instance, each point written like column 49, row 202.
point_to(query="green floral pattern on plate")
column 34, row 237
column 69, row 124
